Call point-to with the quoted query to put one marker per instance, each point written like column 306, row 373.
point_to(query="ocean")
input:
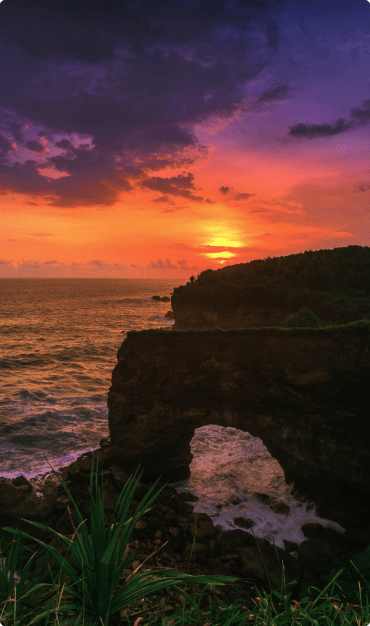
column 59, row 340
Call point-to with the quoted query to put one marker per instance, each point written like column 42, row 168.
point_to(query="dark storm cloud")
column 127, row 76
column 5, row 145
column 17, row 131
column 360, row 117
column 86, row 188
column 35, row 146
column 180, row 185
column 319, row 130
column 224, row 190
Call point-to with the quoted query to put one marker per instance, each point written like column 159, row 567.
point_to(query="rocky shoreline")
column 168, row 530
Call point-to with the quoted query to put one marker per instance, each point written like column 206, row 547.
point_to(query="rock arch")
column 304, row 392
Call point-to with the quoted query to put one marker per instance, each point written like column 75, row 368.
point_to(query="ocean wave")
column 31, row 394
column 22, row 361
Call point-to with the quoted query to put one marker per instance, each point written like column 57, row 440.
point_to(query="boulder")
column 264, row 564
column 170, row 315
column 243, row 521
column 317, row 555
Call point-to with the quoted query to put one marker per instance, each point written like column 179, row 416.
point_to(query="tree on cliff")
column 305, row 318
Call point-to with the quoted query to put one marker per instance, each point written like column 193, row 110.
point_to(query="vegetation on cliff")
column 333, row 284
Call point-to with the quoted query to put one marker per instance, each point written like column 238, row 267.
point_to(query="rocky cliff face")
column 304, row 392
column 198, row 316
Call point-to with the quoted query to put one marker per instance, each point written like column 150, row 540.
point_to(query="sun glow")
column 222, row 233
column 215, row 255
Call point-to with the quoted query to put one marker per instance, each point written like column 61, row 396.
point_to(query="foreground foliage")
column 101, row 600
column 102, row 561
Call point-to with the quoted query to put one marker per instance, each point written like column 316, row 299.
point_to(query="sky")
column 143, row 139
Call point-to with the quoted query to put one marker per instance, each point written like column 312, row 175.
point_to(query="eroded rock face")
column 304, row 392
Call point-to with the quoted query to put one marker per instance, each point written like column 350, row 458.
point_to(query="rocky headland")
column 333, row 284
column 303, row 391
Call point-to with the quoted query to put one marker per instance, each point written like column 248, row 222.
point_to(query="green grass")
column 102, row 591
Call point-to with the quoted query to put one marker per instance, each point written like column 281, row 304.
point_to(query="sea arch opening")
column 235, row 480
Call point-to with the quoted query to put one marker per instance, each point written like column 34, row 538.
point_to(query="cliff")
column 333, row 284
column 304, row 392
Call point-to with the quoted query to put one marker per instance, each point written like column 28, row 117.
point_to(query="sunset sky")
column 158, row 139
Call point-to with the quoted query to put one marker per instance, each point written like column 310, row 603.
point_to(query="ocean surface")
column 59, row 340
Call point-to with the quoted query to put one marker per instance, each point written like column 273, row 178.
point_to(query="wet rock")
column 290, row 546
column 221, row 504
column 188, row 497
column 228, row 540
column 348, row 540
column 170, row 315
column 10, row 493
column 312, row 530
column 244, row 522
column 105, row 441
column 20, row 481
column 262, row 497
column 84, row 463
column 254, row 565
column 317, row 555
column 234, row 499
column 203, row 524
column 278, row 506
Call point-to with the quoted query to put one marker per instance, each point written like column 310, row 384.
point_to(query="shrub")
column 305, row 318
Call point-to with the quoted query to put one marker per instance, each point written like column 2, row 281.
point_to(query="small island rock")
column 163, row 299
